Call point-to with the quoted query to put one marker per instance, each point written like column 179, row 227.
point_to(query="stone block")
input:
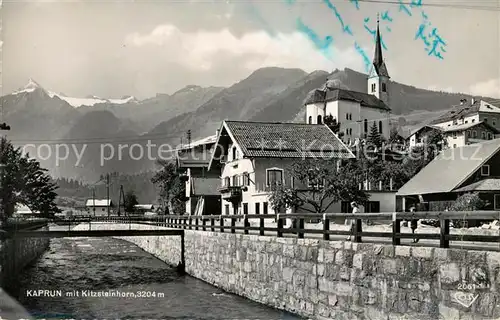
column 448, row 313
column 329, row 256
column 332, row 300
column 449, row 273
column 321, row 255
column 326, row 286
column 289, row 251
column 339, row 257
column 321, row 269
column 493, row 259
column 389, row 266
column 403, row 251
column 288, row 274
column 357, row 261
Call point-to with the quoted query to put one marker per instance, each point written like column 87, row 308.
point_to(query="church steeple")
column 378, row 59
column 378, row 80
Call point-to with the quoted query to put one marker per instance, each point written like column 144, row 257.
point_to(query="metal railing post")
column 326, row 227
column 204, row 223
column 196, row 224
column 245, row 224
column 212, row 224
column 444, row 242
column 358, row 228
column 396, row 229
column 221, row 224
column 279, row 221
column 261, row 226
column 300, row 228
column 233, row 225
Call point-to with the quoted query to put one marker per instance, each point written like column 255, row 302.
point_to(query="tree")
column 374, row 137
column 130, row 202
column 317, row 185
column 171, row 187
column 467, row 202
column 24, row 181
column 332, row 123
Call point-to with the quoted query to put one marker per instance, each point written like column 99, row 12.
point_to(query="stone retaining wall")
column 16, row 254
column 339, row 280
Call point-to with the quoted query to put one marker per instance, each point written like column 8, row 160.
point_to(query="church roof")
column 329, row 94
column 378, row 59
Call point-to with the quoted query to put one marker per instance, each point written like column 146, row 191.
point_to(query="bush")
column 467, row 202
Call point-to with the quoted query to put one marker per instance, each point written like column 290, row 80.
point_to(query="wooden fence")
column 228, row 223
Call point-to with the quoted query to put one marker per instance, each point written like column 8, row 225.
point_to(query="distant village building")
column 143, row 208
column 355, row 111
column 99, row 206
column 202, row 195
column 455, row 135
column 469, row 112
column 455, row 171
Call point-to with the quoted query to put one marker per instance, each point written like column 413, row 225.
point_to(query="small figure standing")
column 413, row 224
column 350, row 222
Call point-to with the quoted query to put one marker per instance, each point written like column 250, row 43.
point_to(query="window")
column 257, row 208
column 292, row 182
column 483, row 135
column 374, row 86
column 319, row 185
column 350, row 131
column 466, row 121
column 490, row 136
column 366, row 125
column 454, row 145
column 454, row 135
column 227, row 209
column 310, row 120
column 347, row 116
column 473, row 120
column 384, row 87
column 485, row 120
column 467, row 134
column 380, row 127
column 494, row 121
column 474, row 134
column 246, row 179
column 274, row 176
column 497, row 201
column 264, row 207
column 102, row 209
column 235, row 181
column 227, row 182
column 245, row 208
column 319, row 119
column 350, row 116
column 485, row 170
column 234, row 153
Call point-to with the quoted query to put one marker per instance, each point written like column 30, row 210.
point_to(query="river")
column 86, row 266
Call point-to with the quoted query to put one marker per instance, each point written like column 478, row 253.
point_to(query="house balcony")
column 232, row 193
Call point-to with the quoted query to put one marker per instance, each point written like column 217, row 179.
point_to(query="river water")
column 86, row 266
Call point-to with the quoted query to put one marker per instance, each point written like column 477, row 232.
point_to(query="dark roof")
column 492, row 184
column 466, row 126
column 458, row 111
column 205, row 186
column 378, row 59
column 287, row 140
column 450, row 168
column 195, row 157
column 335, row 94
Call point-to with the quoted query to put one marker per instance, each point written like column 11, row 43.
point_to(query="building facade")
column 356, row 111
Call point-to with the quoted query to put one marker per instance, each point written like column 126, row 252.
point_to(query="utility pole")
column 121, row 198
column 107, row 192
column 189, row 138
column 93, row 200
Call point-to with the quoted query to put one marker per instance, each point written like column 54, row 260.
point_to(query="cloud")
column 490, row 88
column 198, row 50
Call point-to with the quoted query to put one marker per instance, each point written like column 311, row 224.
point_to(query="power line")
column 464, row 5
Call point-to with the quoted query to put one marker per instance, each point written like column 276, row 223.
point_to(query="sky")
column 115, row 48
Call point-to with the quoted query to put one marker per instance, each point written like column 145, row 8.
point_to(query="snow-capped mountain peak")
column 31, row 86
column 89, row 100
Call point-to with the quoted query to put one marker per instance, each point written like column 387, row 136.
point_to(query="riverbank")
column 79, row 265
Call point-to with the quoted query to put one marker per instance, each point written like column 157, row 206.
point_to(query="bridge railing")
column 299, row 226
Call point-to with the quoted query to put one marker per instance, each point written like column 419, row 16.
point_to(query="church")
column 356, row 112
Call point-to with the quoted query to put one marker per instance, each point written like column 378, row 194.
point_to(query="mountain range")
column 39, row 116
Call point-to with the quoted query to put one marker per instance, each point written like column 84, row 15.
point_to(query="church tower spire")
column 378, row 79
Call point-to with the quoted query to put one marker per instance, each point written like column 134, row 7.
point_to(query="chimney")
column 472, row 101
column 217, row 133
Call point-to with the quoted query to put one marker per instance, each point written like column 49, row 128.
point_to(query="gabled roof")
column 335, row 94
column 492, row 184
column 98, row 203
column 197, row 154
column 467, row 109
column 144, row 206
column 466, row 126
column 283, row 140
column 205, row 186
column 450, row 168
